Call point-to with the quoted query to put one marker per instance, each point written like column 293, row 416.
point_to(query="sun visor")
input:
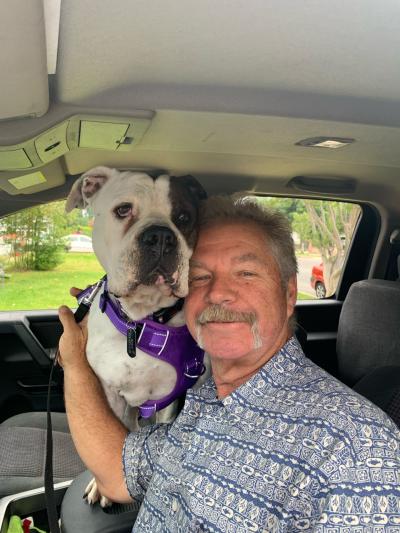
column 23, row 59
column 32, row 181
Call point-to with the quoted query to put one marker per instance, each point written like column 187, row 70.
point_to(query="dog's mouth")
column 166, row 282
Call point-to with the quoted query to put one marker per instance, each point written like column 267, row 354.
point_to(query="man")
column 271, row 442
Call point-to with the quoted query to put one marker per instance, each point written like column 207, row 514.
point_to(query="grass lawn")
column 50, row 289
column 304, row 296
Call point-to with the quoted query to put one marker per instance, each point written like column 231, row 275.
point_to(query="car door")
column 38, row 273
column 29, row 330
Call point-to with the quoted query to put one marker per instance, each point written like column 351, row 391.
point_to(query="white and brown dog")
column 144, row 233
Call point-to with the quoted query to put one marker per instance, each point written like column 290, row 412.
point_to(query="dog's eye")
column 123, row 210
column 183, row 218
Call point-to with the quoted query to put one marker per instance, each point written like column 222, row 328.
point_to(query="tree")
column 78, row 221
column 332, row 227
column 328, row 225
column 35, row 236
column 291, row 207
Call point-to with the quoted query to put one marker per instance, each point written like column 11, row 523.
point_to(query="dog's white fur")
column 128, row 382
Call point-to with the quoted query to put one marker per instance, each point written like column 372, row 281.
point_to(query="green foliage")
column 35, row 237
column 326, row 225
column 85, row 230
column 332, row 227
column 48, row 256
column 78, row 221
column 36, row 234
column 332, row 224
column 291, row 207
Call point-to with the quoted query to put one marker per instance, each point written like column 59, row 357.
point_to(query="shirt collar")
column 276, row 372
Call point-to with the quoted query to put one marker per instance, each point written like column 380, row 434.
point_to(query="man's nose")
column 221, row 290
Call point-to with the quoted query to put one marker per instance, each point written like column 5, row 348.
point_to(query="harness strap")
column 173, row 345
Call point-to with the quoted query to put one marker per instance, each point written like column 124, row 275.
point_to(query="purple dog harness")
column 174, row 345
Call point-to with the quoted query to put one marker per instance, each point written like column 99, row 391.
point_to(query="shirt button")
column 174, row 505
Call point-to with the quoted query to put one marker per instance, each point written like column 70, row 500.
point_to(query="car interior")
column 282, row 99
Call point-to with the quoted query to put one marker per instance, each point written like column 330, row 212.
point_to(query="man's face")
column 232, row 269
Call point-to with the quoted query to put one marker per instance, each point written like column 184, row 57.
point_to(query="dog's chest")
column 107, row 354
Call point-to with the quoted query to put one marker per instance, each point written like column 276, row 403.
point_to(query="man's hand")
column 98, row 435
column 73, row 341
column 74, row 291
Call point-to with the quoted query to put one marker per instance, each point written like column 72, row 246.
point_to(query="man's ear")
column 291, row 295
column 87, row 186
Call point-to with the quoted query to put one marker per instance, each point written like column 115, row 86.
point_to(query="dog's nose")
column 159, row 240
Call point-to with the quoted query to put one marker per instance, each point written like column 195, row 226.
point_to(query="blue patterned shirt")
column 293, row 449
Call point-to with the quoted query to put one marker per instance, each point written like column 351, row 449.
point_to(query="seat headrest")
column 369, row 329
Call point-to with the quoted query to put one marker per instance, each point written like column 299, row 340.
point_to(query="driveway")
column 303, row 278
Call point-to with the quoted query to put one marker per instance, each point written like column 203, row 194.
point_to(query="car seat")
column 23, row 449
column 368, row 343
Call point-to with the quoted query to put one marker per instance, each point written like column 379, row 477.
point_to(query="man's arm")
column 97, row 433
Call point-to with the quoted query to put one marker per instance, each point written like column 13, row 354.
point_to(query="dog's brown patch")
column 185, row 194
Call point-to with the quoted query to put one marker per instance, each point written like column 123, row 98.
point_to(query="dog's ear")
column 195, row 188
column 87, row 186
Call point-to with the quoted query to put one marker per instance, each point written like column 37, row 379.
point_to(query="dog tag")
column 131, row 342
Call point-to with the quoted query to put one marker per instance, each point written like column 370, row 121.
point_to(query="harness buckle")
column 148, row 411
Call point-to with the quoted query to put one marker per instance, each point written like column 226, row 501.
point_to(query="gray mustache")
column 218, row 313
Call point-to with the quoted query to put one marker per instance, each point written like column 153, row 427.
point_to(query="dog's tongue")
column 163, row 285
column 170, row 280
column 160, row 280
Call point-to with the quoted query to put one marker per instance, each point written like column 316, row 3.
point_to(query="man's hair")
column 275, row 226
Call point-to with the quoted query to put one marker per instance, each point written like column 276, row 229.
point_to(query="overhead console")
column 20, row 164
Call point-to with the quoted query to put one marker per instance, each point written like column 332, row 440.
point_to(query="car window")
column 43, row 251
column 322, row 233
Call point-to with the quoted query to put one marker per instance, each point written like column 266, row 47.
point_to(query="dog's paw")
column 92, row 495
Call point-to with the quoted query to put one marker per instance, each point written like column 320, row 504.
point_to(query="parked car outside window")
column 78, row 243
column 317, row 280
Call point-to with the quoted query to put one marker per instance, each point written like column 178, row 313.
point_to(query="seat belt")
column 398, row 268
column 52, row 515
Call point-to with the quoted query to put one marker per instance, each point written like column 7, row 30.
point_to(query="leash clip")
column 87, row 300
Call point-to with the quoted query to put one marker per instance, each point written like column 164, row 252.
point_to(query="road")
column 304, row 275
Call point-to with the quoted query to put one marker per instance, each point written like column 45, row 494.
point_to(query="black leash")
column 161, row 316
column 52, row 514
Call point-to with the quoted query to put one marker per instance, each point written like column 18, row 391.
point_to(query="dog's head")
column 144, row 230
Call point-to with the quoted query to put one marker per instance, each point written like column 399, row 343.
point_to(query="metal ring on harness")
column 203, row 369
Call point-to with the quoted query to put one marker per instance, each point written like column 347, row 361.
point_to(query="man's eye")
column 198, row 279
column 247, row 274
column 123, row 210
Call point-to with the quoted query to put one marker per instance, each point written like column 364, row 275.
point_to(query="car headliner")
column 229, row 87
